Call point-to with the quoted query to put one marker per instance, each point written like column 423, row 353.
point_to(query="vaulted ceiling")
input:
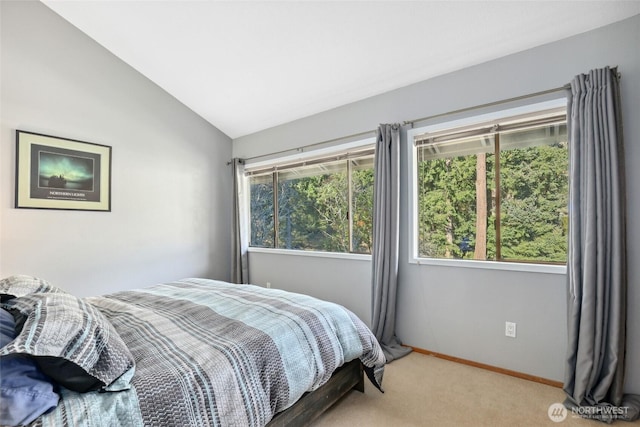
column 245, row 66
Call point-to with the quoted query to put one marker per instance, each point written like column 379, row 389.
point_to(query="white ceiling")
column 245, row 66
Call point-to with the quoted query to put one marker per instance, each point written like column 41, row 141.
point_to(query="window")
column 322, row 204
column 495, row 190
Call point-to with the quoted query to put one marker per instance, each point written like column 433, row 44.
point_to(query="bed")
column 191, row 352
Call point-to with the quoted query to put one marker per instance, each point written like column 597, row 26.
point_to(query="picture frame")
column 61, row 173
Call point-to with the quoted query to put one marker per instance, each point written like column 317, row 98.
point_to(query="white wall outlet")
column 510, row 329
column 268, row 284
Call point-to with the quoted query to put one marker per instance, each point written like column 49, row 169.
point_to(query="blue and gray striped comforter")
column 213, row 353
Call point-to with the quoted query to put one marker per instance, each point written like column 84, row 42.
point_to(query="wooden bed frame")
column 349, row 376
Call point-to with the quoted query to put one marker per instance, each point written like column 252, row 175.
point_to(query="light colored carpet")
column 424, row 390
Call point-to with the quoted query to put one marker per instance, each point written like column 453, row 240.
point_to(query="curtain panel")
column 240, row 226
column 597, row 265
column 384, row 255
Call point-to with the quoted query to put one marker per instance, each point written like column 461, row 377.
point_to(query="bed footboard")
column 311, row 405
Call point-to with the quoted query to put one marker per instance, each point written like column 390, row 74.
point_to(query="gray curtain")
column 386, row 205
column 596, row 265
column 240, row 230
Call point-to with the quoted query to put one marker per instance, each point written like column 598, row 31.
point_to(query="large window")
column 320, row 205
column 494, row 191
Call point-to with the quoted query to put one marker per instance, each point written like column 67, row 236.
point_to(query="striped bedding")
column 213, row 353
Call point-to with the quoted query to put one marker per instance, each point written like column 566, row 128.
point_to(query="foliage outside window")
column 498, row 192
column 320, row 205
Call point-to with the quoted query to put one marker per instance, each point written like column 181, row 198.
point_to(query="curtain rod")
column 504, row 101
column 306, row 147
column 421, row 119
column 412, row 122
column 489, row 104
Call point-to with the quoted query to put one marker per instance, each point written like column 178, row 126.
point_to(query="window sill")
column 492, row 265
column 458, row 263
column 316, row 254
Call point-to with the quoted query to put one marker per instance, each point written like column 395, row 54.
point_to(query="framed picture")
column 61, row 173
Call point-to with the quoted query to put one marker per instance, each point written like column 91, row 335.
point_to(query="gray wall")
column 344, row 281
column 170, row 183
column 461, row 311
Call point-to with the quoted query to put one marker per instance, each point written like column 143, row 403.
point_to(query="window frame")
column 412, row 191
column 345, row 151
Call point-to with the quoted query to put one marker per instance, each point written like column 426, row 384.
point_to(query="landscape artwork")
column 59, row 173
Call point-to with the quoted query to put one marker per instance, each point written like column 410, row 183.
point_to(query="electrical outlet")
column 510, row 329
column 268, row 284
